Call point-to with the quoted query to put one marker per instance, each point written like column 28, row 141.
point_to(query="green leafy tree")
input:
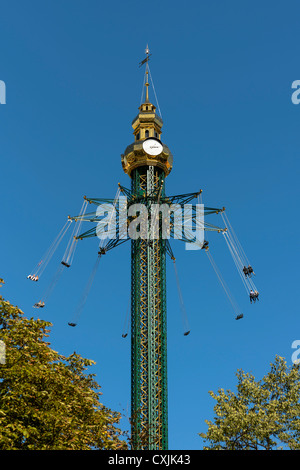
column 261, row 415
column 48, row 401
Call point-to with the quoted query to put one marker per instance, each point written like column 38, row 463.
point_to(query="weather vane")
column 147, row 52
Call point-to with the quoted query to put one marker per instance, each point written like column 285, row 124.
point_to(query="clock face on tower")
column 152, row 146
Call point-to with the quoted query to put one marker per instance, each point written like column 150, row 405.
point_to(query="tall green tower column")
column 148, row 161
column 149, row 408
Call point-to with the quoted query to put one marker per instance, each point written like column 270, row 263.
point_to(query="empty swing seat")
column 65, row 264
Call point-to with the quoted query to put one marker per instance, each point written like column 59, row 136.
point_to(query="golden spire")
column 147, row 86
column 146, row 126
column 145, row 61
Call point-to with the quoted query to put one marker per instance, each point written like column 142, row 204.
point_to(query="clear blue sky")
column 223, row 73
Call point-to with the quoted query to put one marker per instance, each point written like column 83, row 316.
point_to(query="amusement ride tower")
column 147, row 161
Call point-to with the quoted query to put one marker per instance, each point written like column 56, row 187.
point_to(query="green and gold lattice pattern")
column 148, row 327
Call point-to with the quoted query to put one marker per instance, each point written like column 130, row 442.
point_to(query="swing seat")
column 65, row 264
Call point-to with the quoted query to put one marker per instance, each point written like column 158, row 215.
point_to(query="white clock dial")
column 152, row 147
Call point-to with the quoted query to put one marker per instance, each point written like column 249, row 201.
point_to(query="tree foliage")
column 48, row 401
column 261, row 415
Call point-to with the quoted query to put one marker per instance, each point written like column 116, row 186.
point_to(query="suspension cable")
column 102, row 240
column 85, row 293
column 71, row 247
column 235, row 238
column 37, row 272
column 224, row 285
column 182, row 307
column 126, row 321
column 154, row 91
column 41, row 303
